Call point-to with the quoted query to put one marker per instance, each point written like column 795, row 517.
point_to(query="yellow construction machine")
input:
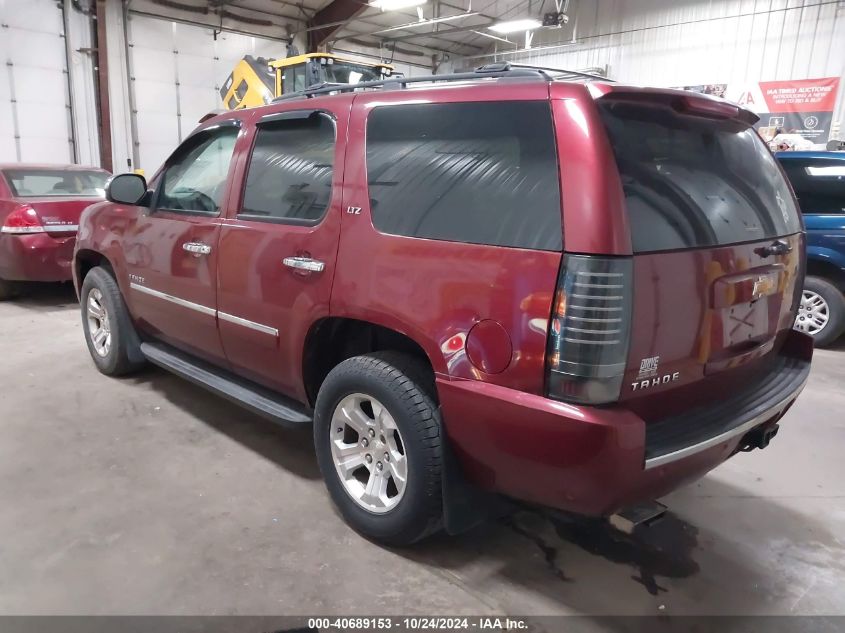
column 258, row 80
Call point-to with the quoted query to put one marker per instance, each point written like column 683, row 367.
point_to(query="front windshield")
column 40, row 183
column 350, row 73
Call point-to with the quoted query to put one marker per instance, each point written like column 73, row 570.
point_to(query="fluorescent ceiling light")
column 411, row 25
column 393, row 5
column 513, row 26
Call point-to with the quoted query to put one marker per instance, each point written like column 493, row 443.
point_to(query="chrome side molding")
column 252, row 325
column 231, row 318
column 180, row 302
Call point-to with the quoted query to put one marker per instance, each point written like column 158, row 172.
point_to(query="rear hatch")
column 718, row 249
column 60, row 216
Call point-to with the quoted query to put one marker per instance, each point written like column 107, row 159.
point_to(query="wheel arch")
column 84, row 259
column 331, row 340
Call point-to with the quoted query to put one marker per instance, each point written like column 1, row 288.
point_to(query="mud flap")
column 465, row 505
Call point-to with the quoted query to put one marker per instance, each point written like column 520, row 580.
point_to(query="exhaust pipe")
column 627, row 519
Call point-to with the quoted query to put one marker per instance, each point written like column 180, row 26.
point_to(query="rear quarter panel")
column 7, row 203
column 435, row 291
column 6, row 207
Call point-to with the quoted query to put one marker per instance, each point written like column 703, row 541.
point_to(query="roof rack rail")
column 488, row 71
column 562, row 73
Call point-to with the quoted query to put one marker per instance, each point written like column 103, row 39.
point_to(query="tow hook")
column 759, row 437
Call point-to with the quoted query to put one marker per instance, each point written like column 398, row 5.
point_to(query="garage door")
column 177, row 71
column 34, row 117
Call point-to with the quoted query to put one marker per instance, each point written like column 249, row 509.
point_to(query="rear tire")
column 109, row 333
column 389, row 397
column 822, row 311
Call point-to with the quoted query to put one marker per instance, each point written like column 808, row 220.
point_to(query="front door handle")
column 197, row 248
column 304, row 263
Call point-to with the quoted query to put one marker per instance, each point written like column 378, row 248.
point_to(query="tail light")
column 590, row 329
column 22, row 220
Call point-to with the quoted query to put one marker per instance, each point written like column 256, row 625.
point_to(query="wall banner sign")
column 799, row 106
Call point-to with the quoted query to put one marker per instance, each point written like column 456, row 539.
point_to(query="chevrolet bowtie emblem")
column 764, row 285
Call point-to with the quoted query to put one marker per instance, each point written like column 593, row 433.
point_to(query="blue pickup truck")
column 818, row 179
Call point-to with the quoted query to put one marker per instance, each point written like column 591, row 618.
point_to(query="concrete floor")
column 150, row 496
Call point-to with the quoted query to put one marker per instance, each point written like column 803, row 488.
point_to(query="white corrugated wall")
column 34, row 121
column 688, row 42
column 177, row 70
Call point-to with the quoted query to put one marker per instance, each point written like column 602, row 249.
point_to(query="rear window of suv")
column 691, row 181
column 482, row 173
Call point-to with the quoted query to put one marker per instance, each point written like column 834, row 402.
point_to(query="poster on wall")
column 799, row 107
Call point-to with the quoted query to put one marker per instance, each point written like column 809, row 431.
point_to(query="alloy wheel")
column 368, row 453
column 813, row 313
column 99, row 329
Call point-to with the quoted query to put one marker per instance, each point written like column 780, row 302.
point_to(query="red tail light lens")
column 22, row 220
column 590, row 329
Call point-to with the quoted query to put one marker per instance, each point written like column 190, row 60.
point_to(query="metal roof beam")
column 457, row 29
column 330, row 19
column 408, row 26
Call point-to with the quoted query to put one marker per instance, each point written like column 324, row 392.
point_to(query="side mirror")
column 126, row 189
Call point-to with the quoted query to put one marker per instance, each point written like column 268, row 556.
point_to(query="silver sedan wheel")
column 813, row 313
column 368, row 453
column 99, row 329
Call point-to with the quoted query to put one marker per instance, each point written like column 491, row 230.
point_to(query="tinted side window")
column 819, row 183
column 693, row 181
column 484, row 173
column 195, row 179
column 290, row 172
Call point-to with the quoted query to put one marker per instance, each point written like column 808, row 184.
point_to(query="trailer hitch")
column 759, row 438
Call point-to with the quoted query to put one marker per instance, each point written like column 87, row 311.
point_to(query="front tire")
column 109, row 333
column 377, row 432
column 822, row 311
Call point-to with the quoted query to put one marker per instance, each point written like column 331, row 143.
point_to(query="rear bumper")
column 674, row 437
column 36, row 257
column 592, row 460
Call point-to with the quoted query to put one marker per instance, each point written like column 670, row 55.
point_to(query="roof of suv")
column 598, row 86
column 561, row 84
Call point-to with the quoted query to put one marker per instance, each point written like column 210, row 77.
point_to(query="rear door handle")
column 304, row 263
column 197, row 248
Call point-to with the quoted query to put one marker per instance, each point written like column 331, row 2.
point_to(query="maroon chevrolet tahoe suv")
column 506, row 283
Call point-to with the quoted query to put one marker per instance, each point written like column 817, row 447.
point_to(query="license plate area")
column 744, row 315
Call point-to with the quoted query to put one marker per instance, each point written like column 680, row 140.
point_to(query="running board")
column 262, row 401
